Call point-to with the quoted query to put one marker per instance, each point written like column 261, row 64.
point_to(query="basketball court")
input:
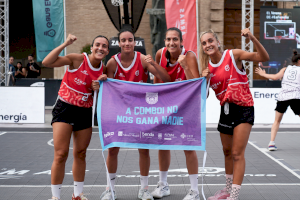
column 27, row 153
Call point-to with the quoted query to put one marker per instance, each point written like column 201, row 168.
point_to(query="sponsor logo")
column 137, row 72
column 159, row 136
column 183, row 136
column 227, row 68
column 151, row 98
column 178, row 79
column 169, row 135
column 121, row 75
column 79, row 82
column 108, row 134
column 147, row 135
column 84, row 72
column 120, row 133
column 85, row 97
column 215, row 86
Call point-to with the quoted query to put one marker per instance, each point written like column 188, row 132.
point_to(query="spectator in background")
column 33, row 70
column 20, row 71
column 12, row 69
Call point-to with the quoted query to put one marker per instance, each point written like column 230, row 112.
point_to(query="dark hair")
column 20, row 63
column 125, row 30
column 100, row 36
column 168, row 55
column 296, row 56
column 31, row 55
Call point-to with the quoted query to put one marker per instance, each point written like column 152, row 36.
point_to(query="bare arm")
column 189, row 63
column 263, row 73
column 155, row 68
column 111, row 68
column 54, row 60
column 260, row 56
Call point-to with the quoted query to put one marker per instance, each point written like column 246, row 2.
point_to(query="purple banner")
column 152, row 116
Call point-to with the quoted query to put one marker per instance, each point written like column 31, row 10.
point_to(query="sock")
column 272, row 143
column 194, row 182
column 144, row 181
column 235, row 192
column 112, row 178
column 55, row 189
column 78, row 188
column 163, row 177
column 229, row 178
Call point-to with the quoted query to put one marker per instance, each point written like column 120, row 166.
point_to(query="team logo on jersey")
column 151, row 98
column 227, row 68
column 137, row 73
column 84, row 72
column 121, row 75
column 178, row 70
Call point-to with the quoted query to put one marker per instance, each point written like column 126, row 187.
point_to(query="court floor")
column 26, row 156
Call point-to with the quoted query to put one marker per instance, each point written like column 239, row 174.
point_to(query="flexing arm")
column 157, row 70
column 54, row 60
column 263, row 73
column 260, row 56
column 189, row 63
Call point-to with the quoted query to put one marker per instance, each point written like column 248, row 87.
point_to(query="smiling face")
column 210, row 44
column 172, row 41
column 100, row 48
column 126, row 42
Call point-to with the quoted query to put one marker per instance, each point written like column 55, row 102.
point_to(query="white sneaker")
column 106, row 195
column 161, row 190
column 144, row 194
column 192, row 195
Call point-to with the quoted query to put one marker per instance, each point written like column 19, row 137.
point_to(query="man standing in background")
column 33, row 70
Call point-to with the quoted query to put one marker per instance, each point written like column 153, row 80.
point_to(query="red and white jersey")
column 135, row 72
column 229, row 83
column 175, row 70
column 76, row 87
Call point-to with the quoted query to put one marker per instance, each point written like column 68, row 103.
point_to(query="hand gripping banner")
column 169, row 116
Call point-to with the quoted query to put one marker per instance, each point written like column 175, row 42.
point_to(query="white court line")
column 121, row 149
column 275, row 160
column 171, row 185
column 2, row 133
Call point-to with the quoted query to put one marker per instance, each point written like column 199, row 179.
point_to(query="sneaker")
column 106, row 195
column 272, row 147
column 80, row 197
column 192, row 195
column 144, row 194
column 221, row 194
column 161, row 190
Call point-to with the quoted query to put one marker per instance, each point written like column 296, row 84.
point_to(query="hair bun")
column 295, row 52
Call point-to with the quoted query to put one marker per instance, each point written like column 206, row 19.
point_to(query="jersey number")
column 292, row 75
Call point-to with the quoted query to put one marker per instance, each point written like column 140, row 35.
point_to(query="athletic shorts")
column 232, row 115
column 283, row 105
column 79, row 117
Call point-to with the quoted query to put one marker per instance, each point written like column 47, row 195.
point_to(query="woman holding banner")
column 289, row 94
column 73, row 110
column 130, row 65
column 229, row 80
column 180, row 64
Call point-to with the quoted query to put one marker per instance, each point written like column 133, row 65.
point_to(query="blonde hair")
column 204, row 58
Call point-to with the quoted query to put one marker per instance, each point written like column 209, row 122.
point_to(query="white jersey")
column 290, row 85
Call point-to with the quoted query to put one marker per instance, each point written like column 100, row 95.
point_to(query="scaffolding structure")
column 247, row 45
column 4, row 42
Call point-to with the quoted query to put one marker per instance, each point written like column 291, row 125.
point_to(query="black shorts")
column 80, row 118
column 236, row 115
column 283, row 105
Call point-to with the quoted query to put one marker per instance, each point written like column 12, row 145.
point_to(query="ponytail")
column 296, row 56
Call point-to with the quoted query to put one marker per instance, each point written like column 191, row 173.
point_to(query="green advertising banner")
column 48, row 25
